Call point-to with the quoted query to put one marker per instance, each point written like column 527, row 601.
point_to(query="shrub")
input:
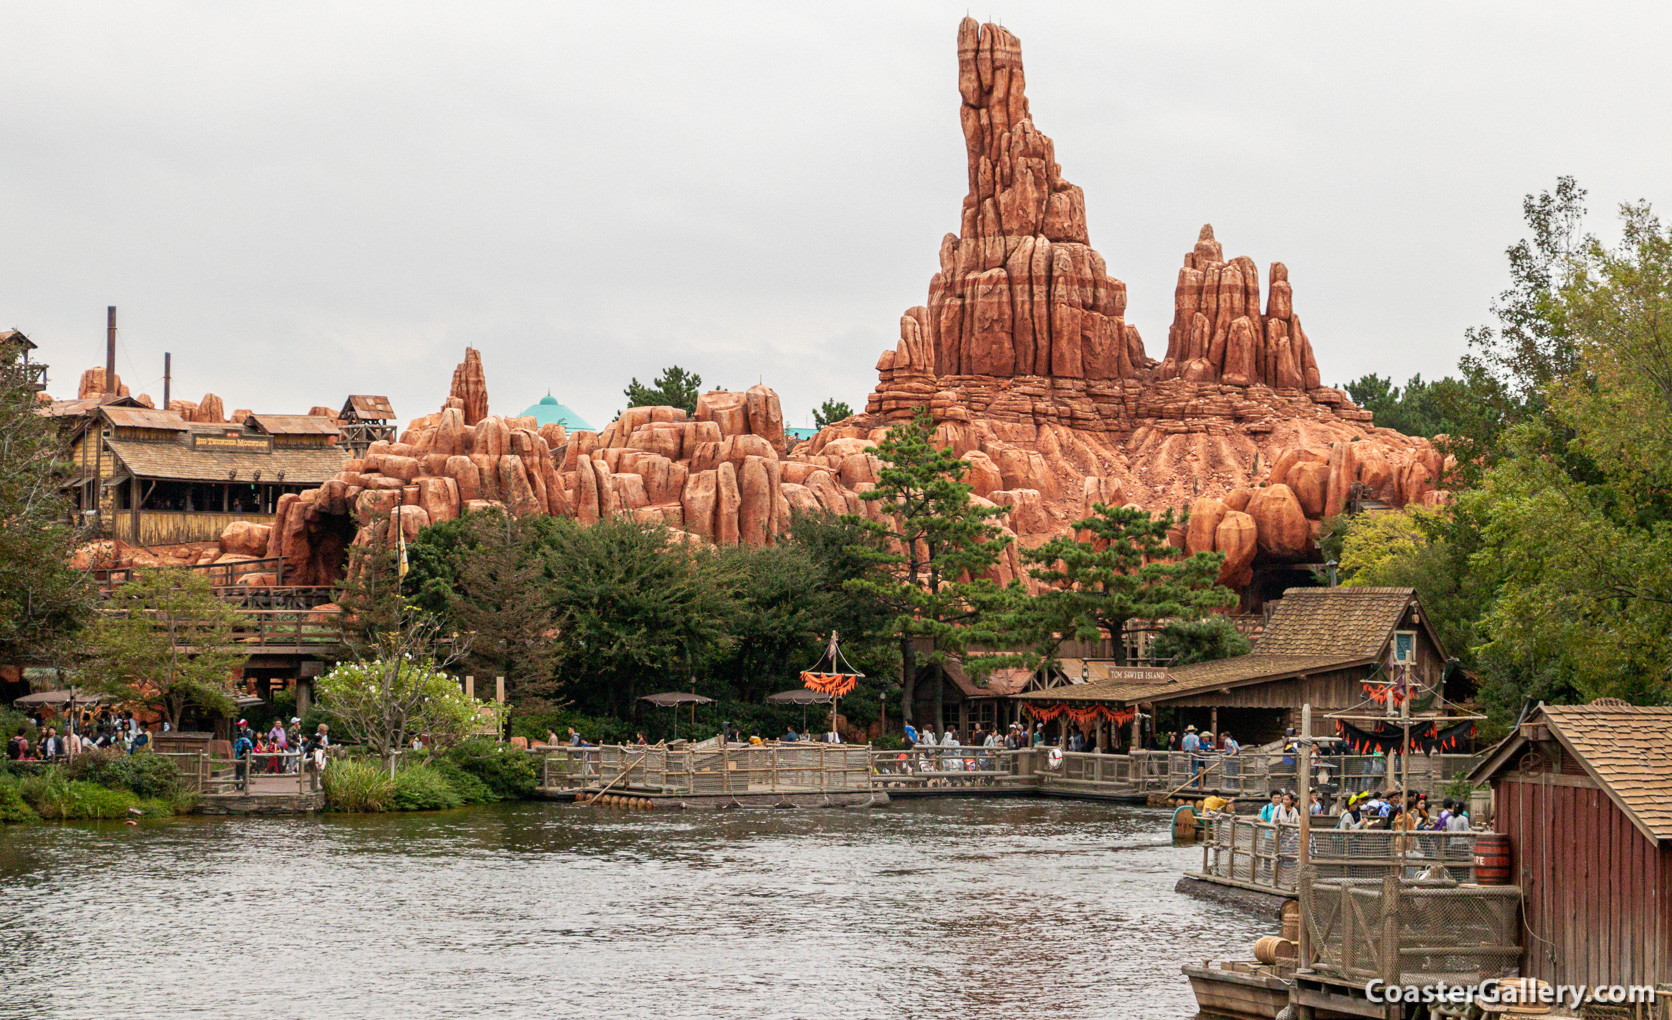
column 358, row 786
column 13, row 808
column 54, row 795
column 506, row 771
column 471, row 790
column 146, row 774
column 423, row 788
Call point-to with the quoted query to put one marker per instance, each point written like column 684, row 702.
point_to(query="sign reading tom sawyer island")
column 1137, row 674
column 242, row 444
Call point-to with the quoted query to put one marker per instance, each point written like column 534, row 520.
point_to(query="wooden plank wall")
column 1597, row 892
column 175, row 527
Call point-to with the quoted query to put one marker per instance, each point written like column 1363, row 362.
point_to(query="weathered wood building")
column 152, row 478
column 1584, row 793
column 1321, row 646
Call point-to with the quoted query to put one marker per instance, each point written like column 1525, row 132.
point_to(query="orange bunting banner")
column 834, row 684
column 1380, row 694
column 1085, row 716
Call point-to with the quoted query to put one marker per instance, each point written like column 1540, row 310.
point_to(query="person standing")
column 1287, row 813
column 1269, row 812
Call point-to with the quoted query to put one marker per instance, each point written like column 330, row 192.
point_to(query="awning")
column 115, row 480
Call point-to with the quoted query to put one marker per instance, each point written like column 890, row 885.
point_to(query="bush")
column 13, row 808
column 358, row 786
column 470, row 789
column 507, row 772
column 146, row 774
column 54, row 795
column 423, row 788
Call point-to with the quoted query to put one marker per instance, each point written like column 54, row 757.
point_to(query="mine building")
column 365, row 419
column 150, row 477
column 1321, row 646
column 1584, row 794
column 34, row 373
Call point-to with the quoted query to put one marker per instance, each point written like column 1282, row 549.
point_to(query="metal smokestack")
column 110, row 355
column 168, row 366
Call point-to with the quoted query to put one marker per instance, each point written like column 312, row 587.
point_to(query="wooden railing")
column 714, row 770
column 221, row 575
column 1266, row 855
column 1411, row 932
column 934, row 766
column 304, row 630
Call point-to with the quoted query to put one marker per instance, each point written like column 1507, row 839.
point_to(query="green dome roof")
column 549, row 412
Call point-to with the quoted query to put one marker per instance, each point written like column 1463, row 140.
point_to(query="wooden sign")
column 1137, row 674
column 243, row 444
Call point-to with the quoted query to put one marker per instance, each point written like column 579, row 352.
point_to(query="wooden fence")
column 1411, row 932
column 697, row 771
column 937, row 767
column 1265, row 855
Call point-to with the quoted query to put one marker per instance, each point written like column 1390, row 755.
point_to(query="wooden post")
column 1390, row 929
column 470, row 687
column 1344, row 923
column 1213, row 721
column 1303, row 855
column 499, row 689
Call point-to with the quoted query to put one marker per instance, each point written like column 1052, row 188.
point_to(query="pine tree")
column 936, row 546
column 675, row 387
column 501, row 600
column 1124, row 570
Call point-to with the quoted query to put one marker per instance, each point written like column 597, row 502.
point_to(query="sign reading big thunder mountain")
column 1022, row 356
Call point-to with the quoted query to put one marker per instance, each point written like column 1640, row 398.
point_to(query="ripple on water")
column 921, row 909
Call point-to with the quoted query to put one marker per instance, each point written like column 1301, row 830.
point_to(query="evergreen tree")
column 830, row 412
column 43, row 601
column 502, row 602
column 1124, row 570
column 935, row 544
column 675, row 387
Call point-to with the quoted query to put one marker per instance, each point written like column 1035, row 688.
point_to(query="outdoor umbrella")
column 669, row 699
column 76, row 695
column 803, row 697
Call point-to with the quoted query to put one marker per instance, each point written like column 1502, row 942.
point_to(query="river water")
column 942, row 909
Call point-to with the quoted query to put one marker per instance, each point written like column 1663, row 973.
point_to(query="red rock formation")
column 470, row 387
column 93, row 384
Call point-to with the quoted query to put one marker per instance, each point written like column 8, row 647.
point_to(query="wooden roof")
column 145, row 418
column 1349, row 622
column 17, row 336
column 1184, row 681
column 999, row 683
column 302, row 465
column 1626, row 749
column 368, row 407
column 293, row 424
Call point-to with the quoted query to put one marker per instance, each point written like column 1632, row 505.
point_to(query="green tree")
column 165, row 642
column 43, row 601
column 830, row 412
column 384, row 703
column 1420, row 408
column 675, row 387
column 1211, row 638
column 1123, row 570
column 934, row 545
column 502, row 601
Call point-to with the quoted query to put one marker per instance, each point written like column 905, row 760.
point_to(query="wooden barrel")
column 1265, row 948
column 1291, row 925
column 1492, row 859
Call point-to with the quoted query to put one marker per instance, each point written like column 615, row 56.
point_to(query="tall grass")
column 358, row 786
column 424, row 788
column 53, row 794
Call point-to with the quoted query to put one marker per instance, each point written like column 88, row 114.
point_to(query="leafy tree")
column 1182, row 642
column 43, row 601
column 675, row 387
column 370, row 593
column 1123, row 570
column 1421, row 408
column 934, row 545
column 166, row 642
column 384, row 703
column 830, row 412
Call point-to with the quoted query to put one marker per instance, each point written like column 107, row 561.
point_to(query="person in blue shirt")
column 241, row 749
column 911, row 735
column 1270, row 812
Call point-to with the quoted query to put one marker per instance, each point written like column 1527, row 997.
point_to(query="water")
column 938, row 909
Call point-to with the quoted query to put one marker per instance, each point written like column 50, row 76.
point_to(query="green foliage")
column 386, row 702
column 927, row 538
column 53, row 794
column 359, row 786
column 1182, row 642
column 830, row 412
column 166, row 643
column 13, row 808
column 1428, row 550
column 44, row 603
column 424, row 788
column 1419, row 409
column 500, row 598
column 675, row 387
column 466, row 785
column 1122, row 570
column 507, row 772
column 145, row 773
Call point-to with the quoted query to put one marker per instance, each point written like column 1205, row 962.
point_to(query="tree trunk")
column 908, row 679
column 940, row 697
column 1117, row 638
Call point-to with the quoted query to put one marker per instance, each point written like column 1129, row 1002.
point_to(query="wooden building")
column 967, row 701
column 365, row 419
column 1584, row 793
column 1321, row 646
column 152, row 478
column 34, row 373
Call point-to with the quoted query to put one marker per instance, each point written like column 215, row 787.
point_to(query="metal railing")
column 1411, row 932
column 697, row 771
column 1267, row 855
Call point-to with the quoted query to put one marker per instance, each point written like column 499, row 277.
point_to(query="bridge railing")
column 1267, row 855
column 933, row 765
column 710, row 770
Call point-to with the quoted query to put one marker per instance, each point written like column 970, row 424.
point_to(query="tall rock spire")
column 1020, row 291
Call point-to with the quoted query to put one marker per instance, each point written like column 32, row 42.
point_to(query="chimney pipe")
column 110, row 354
column 168, row 362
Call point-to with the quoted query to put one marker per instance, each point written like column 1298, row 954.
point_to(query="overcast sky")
column 303, row 201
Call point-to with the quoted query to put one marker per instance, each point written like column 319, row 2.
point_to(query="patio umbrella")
column 80, row 697
column 671, row 699
column 803, row 697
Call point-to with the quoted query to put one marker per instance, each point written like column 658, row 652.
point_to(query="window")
column 1405, row 647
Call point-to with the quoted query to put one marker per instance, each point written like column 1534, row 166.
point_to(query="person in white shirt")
column 951, row 762
column 1288, row 814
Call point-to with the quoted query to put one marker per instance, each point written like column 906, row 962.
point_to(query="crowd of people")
column 79, row 733
column 280, row 749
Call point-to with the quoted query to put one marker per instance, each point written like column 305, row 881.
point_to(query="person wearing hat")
column 1353, row 816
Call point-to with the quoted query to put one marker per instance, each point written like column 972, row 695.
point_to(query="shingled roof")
column 1627, row 749
column 302, row 465
column 1311, row 630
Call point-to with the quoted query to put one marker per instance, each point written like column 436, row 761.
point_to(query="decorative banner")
column 834, row 684
column 1081, row 716
column 1386, row 738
